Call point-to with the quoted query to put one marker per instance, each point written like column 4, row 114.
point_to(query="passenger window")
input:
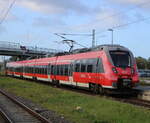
column 57, row 70
column 100, row 68
column 89, row 68
column 66, row 70
column 83, row 68
column 83, row 65
column 61, row 70
column 49, row 69
column 77, row 67
column 45, row 70
column 52, row 69
column 70, row 69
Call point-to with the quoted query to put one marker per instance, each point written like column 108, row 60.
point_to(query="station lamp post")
column 111, row 35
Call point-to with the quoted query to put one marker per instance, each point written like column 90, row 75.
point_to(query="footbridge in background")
column 16, row 49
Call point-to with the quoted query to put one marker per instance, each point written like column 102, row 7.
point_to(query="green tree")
column 0, row 67
column 142, row 63
column 13, row 58
column 148, row 63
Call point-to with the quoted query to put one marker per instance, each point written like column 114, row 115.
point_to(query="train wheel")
column 56, row 83
column 94, row 88
column 34, row 78
column 101, row 90
column 91, row 87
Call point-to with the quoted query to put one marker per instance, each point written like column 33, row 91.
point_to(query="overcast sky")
column 34, row 22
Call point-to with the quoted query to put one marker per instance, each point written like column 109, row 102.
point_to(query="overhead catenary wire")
column 68, row 41
column 7, row 12
column 132, row 8
column 80, row 45
column 127, row 24
column 3, row 9
column 119, row 13
column 75, row 34
column 114, row 27
column 132, row 22
column 60, row 36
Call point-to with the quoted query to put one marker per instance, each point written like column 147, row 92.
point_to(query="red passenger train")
column 110, row 67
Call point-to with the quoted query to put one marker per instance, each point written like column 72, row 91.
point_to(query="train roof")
column 100, row 47
column 105, row 47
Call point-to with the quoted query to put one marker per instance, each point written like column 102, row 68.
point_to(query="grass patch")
column 2, row 73
column 144, row 78
column 76, row 107
column 144, row 83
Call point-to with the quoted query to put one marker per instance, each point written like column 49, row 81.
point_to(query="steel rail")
column 137, row 102
column 130, row 100
column 33, row 113
column 5, row 116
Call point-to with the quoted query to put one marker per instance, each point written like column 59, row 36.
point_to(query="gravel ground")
column 2, row 120
column 143, row 88
column 48, row 114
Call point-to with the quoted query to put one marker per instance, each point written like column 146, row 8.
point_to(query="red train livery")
column 104, row 67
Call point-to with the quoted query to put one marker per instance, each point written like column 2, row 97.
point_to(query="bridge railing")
column 18, row 47
column 9, row 45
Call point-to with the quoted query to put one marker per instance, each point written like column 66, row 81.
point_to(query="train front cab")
column 120, row 71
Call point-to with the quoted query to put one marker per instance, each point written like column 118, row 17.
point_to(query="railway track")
column 4, row 118
column 135, row 101
column 131, row 99
column 13, row 111
column 125, row 99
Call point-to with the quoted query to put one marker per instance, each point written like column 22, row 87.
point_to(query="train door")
column 21, row 71
column 52, row 72
column 70, row 71
column 34, row 71
column 99, row 71
column 49, row 72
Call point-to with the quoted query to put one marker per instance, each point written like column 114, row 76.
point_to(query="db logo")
column 83, row 76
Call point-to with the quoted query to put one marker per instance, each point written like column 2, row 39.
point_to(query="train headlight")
column 114, row 70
